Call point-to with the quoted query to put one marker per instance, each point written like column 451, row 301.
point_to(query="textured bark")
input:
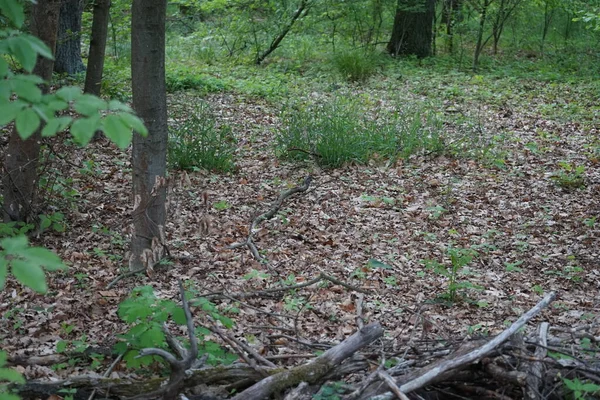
column 412, row 33
column 95, row 65
column 21, row 162
column 149, row 153
column 68, row 47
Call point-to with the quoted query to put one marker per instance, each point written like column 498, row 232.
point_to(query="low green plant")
column 196, row 141
column 356, row 65
column 581, row 390
column 341, row 131
column 146, row 314
column 330, row 391
column 183, row 78
column 456, row 273
column 569, row 176
column 8, row 376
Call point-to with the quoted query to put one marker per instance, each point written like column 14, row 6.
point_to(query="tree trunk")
column 450, row 10
column 480, row 42
column 20, row 165
column 95, row 65
column 149, row 153
column 68, row 48
column 413, row 28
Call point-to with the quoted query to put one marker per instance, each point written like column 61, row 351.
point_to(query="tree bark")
column 21, row 162
column 68, row 48
column 95, row 65
column 149, row 153
column 413, row 28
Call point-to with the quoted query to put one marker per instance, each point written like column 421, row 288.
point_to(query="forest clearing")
column 368, row 230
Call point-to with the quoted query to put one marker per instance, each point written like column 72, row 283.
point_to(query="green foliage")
column 8, row 376
column 581, row 390
column 27, row 263
column 146, row 314
column 340, row 132
column 456, row 273
column 196, row 141
column 356, row 65
column 330, row 391
column 569, row 176
column 183, row 78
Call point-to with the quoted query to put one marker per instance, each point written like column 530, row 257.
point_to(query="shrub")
column 356, row 65
column 185, row 79
column 340, row 131
column 196, row 141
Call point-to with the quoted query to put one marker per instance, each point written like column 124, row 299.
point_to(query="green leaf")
column 116, row 129
column 373, row 263
column 3, row 270
column 8, row 396
column 9, row 374
column 89, row 105
column 27, row 122
column 153, row 337
column 115, row 105
column 5, row 91
column 39, row 46
column 56, row 125
column 69, row 93
column 13, row 11
column 179, row 316
column 83, row 129
column 2, row 358
column 3, row 67
column 23, row 52
column 15, row 244
column 30, row 275
column 61, row 346
column 27, row 90
column 135, row 123
column 10, row 111
column 41, row 256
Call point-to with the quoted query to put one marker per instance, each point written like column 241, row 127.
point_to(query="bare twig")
column 249, row 242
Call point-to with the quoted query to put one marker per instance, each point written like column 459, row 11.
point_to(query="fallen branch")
column 436, row 370
column 249, row 242
column 315, row 370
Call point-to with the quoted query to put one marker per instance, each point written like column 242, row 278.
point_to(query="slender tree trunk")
column 149, row 153
column 21, row 163
column 413, row 28
column 480, row 30
column 95, row 65
column 68, row 48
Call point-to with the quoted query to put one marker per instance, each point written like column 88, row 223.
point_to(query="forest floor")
column 370, row 226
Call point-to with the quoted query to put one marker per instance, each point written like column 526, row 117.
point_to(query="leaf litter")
column 371, row 226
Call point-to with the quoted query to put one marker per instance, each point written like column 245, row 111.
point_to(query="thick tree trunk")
column 95, row 65
column 20, row 165
column 413, row 28
column 149, row 153
column 68, row 48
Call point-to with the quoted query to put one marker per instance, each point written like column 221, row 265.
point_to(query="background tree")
column 149, row 153
column 68, row 47
column 21, row 163
column 413, row 28
column 95, row 65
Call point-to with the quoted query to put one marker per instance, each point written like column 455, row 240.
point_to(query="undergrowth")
column 196, row 141
column 340, row 131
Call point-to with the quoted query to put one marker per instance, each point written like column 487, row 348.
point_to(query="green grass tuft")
column 197, row 142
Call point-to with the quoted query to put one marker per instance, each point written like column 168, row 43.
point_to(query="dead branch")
column 536, row 368
column 285, row 288
column 437, row 369
column 249, row 242
column 315, row 370
column 178, row 367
